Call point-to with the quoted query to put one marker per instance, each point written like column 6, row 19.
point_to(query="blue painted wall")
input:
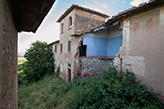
column 98, row 46
column 113, row 45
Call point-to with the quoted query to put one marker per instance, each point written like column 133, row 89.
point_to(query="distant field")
column 21, row 60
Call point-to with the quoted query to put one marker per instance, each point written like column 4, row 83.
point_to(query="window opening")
column 69, row 46
column 55, row 48
column 83, row 50
column 62, row 26
column 61, row 48
column 70, row 22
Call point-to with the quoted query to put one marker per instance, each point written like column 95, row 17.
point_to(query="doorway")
column 69, row 74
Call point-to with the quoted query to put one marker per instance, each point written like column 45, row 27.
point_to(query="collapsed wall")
column 84, row 66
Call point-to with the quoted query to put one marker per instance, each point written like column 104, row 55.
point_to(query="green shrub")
column 19, row 67
column 39, row 61
column 57, row 72
column 112, row 90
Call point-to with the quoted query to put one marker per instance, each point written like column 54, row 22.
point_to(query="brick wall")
column 8, row 38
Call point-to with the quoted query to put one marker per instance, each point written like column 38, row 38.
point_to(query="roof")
column 126, row 13
column 28, row 14
column 57, row 41
column 83, row 9
column 133, row 10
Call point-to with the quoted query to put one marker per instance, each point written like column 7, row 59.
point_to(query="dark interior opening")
column 83, row 50
column 69, row 74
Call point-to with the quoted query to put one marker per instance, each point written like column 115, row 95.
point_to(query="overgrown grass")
column 21, row 62
column 110, row 91
column 48, row 93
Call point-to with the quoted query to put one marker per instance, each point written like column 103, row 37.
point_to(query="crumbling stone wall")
column 91, row 66
column 8, row 34
column 142, row 48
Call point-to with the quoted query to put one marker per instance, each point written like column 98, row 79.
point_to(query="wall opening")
column 69, row 74
column 61, row 47
column 70, row 22
column 55, row 48
column 69, row 46
column 83, row 50
column 62, row 26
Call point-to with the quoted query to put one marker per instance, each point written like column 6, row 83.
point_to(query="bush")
column 112, row 90
column 39, row 61
column 57, row 72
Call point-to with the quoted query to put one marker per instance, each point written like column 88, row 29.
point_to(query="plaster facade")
column 86, row 21
column 103, row 42
column 56, row 51
column 81, row 21
column 142, row 50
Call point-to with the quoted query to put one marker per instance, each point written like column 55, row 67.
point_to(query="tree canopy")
column 39, row 62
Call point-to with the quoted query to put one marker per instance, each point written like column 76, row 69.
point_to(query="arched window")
column 62, row 26
column 70, row 22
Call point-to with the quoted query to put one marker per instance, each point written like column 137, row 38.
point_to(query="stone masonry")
column 8, row 34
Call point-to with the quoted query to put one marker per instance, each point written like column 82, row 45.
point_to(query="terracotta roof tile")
column 133, row 10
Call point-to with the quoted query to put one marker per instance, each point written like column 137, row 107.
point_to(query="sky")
column 49, row 31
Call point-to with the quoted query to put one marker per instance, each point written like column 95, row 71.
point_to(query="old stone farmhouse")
column 133, row 39
column 75, row 20
column 16, row 16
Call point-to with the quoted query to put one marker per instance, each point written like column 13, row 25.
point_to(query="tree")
column 39, row 62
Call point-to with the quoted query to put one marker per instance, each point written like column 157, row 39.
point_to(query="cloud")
column 137, row 2
column 104, row 5
column 96, row 2
column 47, row 33
column 123, row 2
column 113, row 1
